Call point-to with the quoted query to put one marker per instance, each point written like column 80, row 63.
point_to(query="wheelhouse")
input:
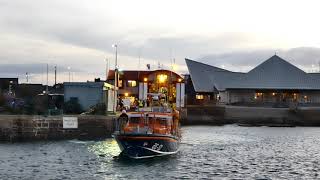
column 148, row 123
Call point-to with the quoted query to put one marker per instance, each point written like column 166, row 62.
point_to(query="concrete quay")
column 251, row 116
column 29, row 127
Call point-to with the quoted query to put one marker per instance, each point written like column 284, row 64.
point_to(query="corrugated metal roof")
column 274, row 73
column 315, row 76
column 205, row 77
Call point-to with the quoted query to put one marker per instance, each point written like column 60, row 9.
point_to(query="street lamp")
column 116, row 62
column 107, row 68
column 69, row 72
column 27, row 77
column 312, row 67
column 115, row 78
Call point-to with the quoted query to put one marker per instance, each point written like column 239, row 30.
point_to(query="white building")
column 87, row 93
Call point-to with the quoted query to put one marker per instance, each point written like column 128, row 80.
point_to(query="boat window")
column 135, row 120
column 162, row 121
column 151, row 120
column 123, row 119
column 146, row 121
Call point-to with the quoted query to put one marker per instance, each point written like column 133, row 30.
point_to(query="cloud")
column 306, row 58
column 80, row 33
column 31, row 68
column 89, row 26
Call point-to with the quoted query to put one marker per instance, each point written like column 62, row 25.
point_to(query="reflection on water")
column 205, row 152
column 108, row 148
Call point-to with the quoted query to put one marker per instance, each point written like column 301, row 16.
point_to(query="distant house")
column 29, row 90
column 273, row 81
column 8, row 84
column 87, row 93
column 129, row 82
column 56, row 89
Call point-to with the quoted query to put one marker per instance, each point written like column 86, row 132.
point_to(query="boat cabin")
column 148, row 123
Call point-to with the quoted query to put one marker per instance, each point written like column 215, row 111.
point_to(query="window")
column 199, row 96
column 258, row 95
column 162, row 78
column 134, row 120
column 120, row 84
column 132, row 83
column 163, row 122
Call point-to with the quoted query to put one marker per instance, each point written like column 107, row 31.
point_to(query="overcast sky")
column 79, row 34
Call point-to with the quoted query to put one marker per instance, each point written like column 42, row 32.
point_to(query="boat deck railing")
column 156, row 109
column 143, row 132
column 136, row 130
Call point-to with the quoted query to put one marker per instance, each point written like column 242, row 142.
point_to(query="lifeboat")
column 148, row 133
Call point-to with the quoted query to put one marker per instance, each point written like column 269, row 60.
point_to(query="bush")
column 98, row 109
column 72, row 106
column 40, row 105
column 2, row 100
column 29, row 107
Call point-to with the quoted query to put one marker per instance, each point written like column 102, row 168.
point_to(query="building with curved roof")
column 137, row 84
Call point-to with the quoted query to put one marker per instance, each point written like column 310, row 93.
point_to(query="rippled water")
column 206, row 152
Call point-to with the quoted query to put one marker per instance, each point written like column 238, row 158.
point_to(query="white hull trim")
column 160, row 153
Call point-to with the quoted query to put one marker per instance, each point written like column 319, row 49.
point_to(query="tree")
column 72, row 106
column 98, row 109
column 2, row 100
column 29, row 107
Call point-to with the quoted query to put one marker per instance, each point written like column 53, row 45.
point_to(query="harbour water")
column 214, row 152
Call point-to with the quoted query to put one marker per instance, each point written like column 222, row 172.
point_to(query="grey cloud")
column 167, row 47
column 244, row 58
column 31, row 68
column 52, row 21
column 70, row 24
column 301, row 56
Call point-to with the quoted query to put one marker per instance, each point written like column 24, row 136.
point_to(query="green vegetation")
column 98, row 109
column 72, row 107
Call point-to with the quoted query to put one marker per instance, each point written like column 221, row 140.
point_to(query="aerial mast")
column 55, row 75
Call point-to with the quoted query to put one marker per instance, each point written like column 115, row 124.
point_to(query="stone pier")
column 27, row 127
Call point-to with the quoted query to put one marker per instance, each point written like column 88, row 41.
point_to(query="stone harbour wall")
column 204, row 115
column 24, row 127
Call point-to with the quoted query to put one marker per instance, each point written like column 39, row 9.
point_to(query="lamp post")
column 55, row 74
column 27, row 77
column 107, row 68
column 69, row 72
column 47, row 88
column 115, row 78
column 312, row 68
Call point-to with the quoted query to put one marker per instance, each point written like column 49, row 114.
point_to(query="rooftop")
column 274, row 73
column 84, row 84
column 135, row 74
